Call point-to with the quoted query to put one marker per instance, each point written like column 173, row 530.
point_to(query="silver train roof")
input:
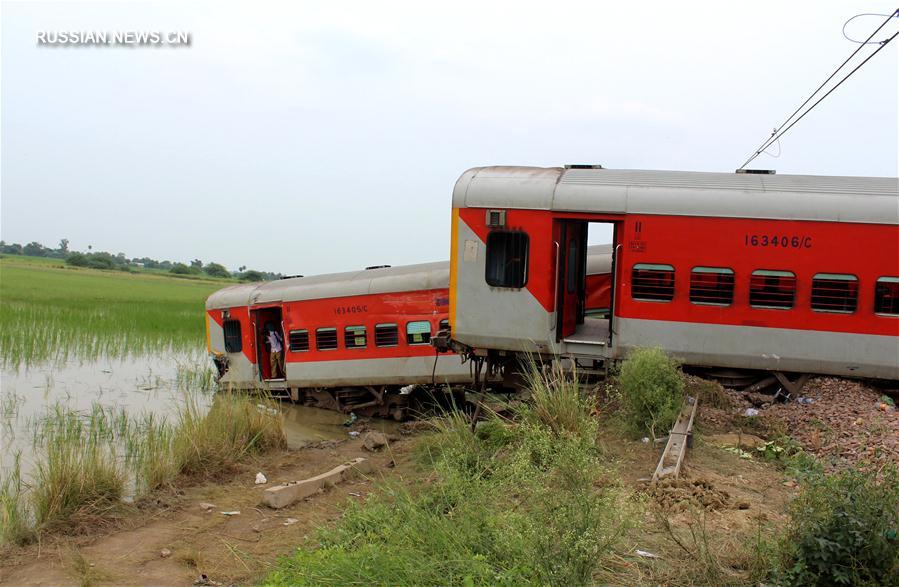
column 873, row 200
column 354, row 283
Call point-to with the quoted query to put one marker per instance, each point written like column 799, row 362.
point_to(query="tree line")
column 104, row 260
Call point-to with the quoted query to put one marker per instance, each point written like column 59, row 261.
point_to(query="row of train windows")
column 831, row 292
column 356, row 337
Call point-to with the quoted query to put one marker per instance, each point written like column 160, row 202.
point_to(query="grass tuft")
column 78, row 475
column 210, row 442
column 515, row 501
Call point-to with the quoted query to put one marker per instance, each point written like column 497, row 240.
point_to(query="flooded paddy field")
column 105, row 385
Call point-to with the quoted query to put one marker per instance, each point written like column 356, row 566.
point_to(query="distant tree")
column 216, row 270
column 242, row 268
column 64, row 246
column 77, row 259
column 101, row 260
column 252, row 275
column 13, row 249
column 180, row 269
column 196, row 263
column 35, row 249
column 167, row 265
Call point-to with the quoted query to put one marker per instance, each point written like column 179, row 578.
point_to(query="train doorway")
column 574, row 323
column 269, row 329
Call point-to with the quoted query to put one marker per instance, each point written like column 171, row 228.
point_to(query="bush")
column 216, row 270
column 652, row 390
column 843, row 531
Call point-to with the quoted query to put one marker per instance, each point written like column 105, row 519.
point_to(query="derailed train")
column 356, row 341
column 750, row 275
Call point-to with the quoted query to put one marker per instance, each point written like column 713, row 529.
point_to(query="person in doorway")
column 276, row 351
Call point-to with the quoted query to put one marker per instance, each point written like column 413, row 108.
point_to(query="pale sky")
column 311, row 137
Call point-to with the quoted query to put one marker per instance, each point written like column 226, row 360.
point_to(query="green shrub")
column 652, row 391
column 843, row 531
column 15, row 527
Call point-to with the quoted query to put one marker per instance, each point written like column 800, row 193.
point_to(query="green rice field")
column 50, row 312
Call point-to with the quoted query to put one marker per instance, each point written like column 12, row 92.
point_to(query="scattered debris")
column 267, row 410
column 805, row 401
column 352, row 420
column 645, row 440
column 290, row 521
column 751, row 412
column 354, row 434
column 260, row 479
column 355, row 494
column 207, row 506
column 374, row 441
column 205, row 580
column 234, row 513
column 646, row 554
column 165, row 553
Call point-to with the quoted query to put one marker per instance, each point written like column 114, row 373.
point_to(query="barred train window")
column 712, row 286
column 652, row 282
column 354, row 337
column 233, row 342
column 507, row 259
column 299, row 341
column 386, row 335
column 326, row 339
column 772, row 289
column 418, row 332
column 833, row 292
column 886, row 296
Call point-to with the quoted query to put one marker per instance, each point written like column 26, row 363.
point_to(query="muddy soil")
column 173, row 540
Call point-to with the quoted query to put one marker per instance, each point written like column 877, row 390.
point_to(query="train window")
column 326, row 339
column 298, row 340
column 418, row 332
column 233, row 341
column 652, row 282
column 386, row 335
column 772, row 289
column 886, row 296
column 507, row 259
column 713, row 286
column 354, row 337
column 833, row 292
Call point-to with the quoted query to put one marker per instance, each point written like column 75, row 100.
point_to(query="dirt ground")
column 173, row 540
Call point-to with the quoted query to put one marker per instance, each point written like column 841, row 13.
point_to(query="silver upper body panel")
column 872, row 200
column 418, row 277
column 423, row 276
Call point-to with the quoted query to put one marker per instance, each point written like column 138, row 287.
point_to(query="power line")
column 777, row 133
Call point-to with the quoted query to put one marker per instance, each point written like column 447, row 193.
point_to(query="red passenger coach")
column 357, row 341
column 750, row 272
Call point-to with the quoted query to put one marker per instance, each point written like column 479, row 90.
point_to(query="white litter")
column 647, row 554
column 234, row 513
column 290, row 521
column 260, row 479
column 406, row 390
column 751, row 412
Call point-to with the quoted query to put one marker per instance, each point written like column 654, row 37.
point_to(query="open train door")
column 571, row 238
column 263, row 320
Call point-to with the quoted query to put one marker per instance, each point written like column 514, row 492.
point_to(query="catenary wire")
column 777, row 132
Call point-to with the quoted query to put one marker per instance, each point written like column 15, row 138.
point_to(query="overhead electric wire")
column 777, row 133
